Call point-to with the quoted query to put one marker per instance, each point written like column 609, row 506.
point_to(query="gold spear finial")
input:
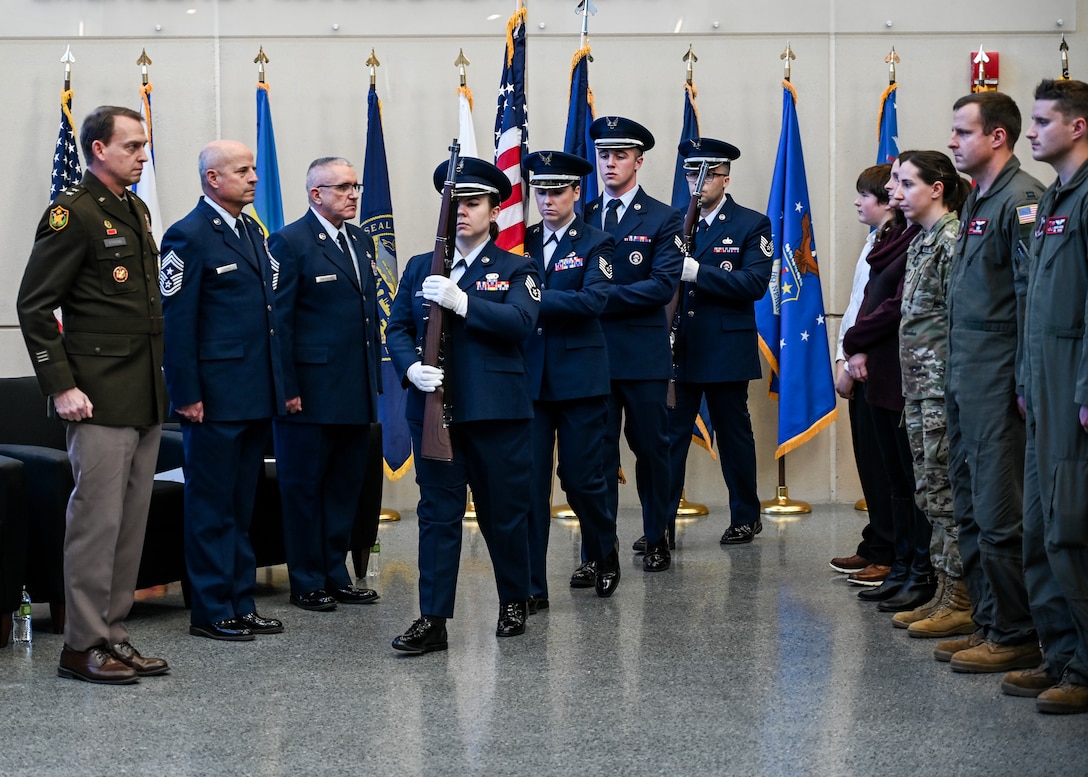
column 373, row 63
column 462, row 62
column 892, row 59
column 143, row 62
column 1064, row 49
column 787, row 55
column 261, row 60
column 690, row 59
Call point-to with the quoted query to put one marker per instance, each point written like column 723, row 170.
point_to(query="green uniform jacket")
column 923, row 330
column 97, row 261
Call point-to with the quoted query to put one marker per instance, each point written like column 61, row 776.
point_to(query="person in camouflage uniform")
column 929, row 194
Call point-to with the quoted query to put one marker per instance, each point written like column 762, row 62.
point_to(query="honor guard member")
column 646, row 265
column 1054, row 376
column 716, row 349
column 568, row 370
column 491, row 298
column 986, row 436
column 327, row 305
column 95, row 258
column 225, row 377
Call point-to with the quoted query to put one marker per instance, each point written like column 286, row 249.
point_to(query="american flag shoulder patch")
column 1026, row 213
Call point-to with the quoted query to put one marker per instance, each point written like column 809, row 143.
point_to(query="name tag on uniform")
column 226, row 268
column 324, row 278
column 113, row 242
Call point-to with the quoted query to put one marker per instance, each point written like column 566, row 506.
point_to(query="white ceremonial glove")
column 440, row 289
column 691, row 269
column 425, row 378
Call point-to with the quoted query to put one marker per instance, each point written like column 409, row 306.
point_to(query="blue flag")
column 268, row 201
column 887, row 138
column 376, row 219
column 579, row 118
column 790, row 317
column 66, row 170
column 703, row 433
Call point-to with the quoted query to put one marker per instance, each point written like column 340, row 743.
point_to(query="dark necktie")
column 343, row 241
column 700, row 234
column 549, row 248
column 611, row 219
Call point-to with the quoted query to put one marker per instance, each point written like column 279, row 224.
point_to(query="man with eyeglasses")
column 716, row 350
column 327, row 305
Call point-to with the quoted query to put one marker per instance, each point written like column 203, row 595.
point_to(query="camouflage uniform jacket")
column 923, row 331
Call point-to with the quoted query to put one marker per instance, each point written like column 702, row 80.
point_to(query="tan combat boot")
column 951, row 618
column 902, row 620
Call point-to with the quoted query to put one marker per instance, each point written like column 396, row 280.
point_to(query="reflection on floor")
column 747, row 660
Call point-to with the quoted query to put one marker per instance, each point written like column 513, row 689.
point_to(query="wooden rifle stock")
column 686, row 245
column 436, row 442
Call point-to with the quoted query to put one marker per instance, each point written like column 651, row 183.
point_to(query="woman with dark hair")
column 871, row 347
column 929, row 194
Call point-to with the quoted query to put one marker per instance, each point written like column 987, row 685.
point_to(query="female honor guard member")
column 492, row 298
column 568, row 368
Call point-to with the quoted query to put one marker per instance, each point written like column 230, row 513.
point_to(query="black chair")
column 13, row 528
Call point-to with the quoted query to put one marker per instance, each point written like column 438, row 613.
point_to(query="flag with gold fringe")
column 512, row 136
column 466, row 130
column 66, row 170
column 376, row 220
column 147, row 188
column 268, row 199
column 887, row 133
column 580, row 115
column 790, row 317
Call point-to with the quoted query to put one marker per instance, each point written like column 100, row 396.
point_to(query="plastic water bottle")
column 374, row 565
column 21, row 629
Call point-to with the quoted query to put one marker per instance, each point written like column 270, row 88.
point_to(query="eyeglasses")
column 693, row 175
column 343, row 188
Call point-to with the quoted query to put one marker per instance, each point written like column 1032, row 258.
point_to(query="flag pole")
column 782, row 505
column 1063, row 47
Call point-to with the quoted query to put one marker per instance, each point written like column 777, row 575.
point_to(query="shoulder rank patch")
column 766, row 246
column 606, row 268
column 58, row 218
column 171, row 274
column 1026, row 213
column 534, row 291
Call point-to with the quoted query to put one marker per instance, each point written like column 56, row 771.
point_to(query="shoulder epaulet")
column 72, row 193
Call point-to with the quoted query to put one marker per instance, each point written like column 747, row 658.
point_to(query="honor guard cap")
column 556, row 170
column 473, row 178
column 618, row 132
column 714, row 152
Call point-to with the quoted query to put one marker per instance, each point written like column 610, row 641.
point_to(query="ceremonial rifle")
column 686, row 246
column 436, row 416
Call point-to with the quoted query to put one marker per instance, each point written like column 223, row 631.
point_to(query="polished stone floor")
column 750, row 660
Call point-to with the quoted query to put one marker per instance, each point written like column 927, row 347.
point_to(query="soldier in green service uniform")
column 95, row 258
column 986, row 431
column 1054, row 374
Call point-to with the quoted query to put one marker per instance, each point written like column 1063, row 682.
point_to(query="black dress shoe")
column 608, row 575
column 538, row 603
column 914, row 593
column 657, row 558
column 259, row 625
column 739, row 535
column 317, row 600
column 349, row 594
column 511, row 619
column 425, row 635
column 886, row 590
column 230, row 630
column 639, row 545
column 584, row 576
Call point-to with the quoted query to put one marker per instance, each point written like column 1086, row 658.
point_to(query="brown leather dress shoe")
column 96, row 665
column 130, row 656
column 849, row 564
column 872, row 575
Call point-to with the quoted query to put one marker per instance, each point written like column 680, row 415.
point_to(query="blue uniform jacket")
column 717, row 339
column 328, row 324
column 222, row 345
column 646, row 265
column 485, row 375
column 566, row 353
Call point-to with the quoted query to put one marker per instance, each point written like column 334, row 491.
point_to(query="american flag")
column 512, row 135
column 66, row 170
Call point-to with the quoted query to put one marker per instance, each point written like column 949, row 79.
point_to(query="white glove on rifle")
column 440, row 289
column 691, row 269
column 425, row 378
